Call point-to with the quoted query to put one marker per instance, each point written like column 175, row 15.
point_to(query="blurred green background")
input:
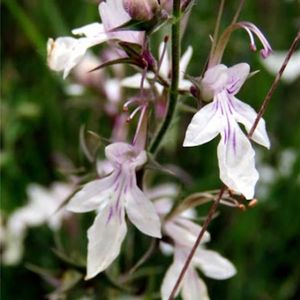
column 40, row 122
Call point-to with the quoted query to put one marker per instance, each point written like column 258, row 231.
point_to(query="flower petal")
column 121, row 153
column 246, row 115
column 204, row 126
column 171, row 276
column 236, row 161
column 237, row 75
column 165, row 63
column 184, row 61
column 184, row 85
column 113, row 15
column 213, row 265
column 66, row 52
column 276, row 59
column 141, row 211
column 184, row 232
column 134, row 82
column 91, row 30
column 92, row 195
column 193, row 286
column 105, row 238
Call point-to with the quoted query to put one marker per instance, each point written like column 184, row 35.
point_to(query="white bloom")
column 65, row 53
column 111, row 196
column 221, row 116
column 276, row 59
column 184, row 233
column 164, row 71
column 43, row 207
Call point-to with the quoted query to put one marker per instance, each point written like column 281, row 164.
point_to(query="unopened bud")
column 143, row 10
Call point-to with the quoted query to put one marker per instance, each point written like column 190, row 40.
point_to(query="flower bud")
column 143, row 10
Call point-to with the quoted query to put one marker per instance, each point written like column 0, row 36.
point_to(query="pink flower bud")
column 143, row 10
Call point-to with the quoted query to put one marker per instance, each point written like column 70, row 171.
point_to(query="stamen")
column 129, row 119
column 128, row 103
column 216, row 55
column 252, row 41
column 252, row 203
column 139, row 130
column 267, row 50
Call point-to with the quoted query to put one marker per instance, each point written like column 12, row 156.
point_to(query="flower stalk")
column 173, row 94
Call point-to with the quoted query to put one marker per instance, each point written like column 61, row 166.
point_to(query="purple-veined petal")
column 141, row 211
column 237, row 75
column 204, row 126
column 236, row 161
column 213, row 265
column 193, row 286
column 93, row 195
column 105, row 238
column 246, row 115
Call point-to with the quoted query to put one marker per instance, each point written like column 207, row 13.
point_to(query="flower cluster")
column 123, row 189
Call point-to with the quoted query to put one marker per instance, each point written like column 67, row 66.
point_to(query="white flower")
column 164, row 71
column 221, row 116
column 184, row 233
column 65, row 53
column 43, row 207
column 111, row 196
column 276, row 59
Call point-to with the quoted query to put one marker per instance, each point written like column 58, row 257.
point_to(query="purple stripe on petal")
column 110, row 214
column 230, row 104
column 232, row 86
column 234, row 142
column 120, row 214
column 221, row 108
column 225, row 136
column 228, row 127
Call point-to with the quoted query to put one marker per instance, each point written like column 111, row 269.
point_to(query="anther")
column 252, row 203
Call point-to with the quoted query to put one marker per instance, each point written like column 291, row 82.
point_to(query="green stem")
column 154, row 146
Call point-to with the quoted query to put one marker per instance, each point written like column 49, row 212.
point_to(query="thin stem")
column 238, row 12
column 275, row 84
column 208, row 219
column 217, row 27
column 174, row 83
